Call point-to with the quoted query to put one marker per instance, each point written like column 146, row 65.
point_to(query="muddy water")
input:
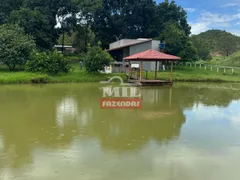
column 58, row 132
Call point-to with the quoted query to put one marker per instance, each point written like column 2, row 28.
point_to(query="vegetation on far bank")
column 77, row 75
column 180, row 74
column 28, row 33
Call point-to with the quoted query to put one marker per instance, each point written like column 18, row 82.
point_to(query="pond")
column 59, row 132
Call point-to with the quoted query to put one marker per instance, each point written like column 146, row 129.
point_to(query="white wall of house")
column 137, row 48
column 140, row 48
column 154, row 44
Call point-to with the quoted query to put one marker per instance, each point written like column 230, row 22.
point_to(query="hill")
column 219, row 42
column 233, row 60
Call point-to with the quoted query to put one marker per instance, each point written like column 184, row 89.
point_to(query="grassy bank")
column 232, row 61
column 187, row 74
column 76, row 76
column 181, row 74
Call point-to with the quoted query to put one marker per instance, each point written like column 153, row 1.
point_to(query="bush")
column 96, row 59
column 40, row 79
column 15, row 46
column 52, row 63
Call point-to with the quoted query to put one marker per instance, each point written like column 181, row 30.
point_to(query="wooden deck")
column 148, row 82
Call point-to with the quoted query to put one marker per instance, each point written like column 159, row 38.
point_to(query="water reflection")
column 54, row 130
column 67, row 110
column 1, row 143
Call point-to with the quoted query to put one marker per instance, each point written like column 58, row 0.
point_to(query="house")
column 69, row 49
column 127, row 47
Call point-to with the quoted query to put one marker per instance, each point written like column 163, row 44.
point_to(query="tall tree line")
column 101, row 20
column 136, row 18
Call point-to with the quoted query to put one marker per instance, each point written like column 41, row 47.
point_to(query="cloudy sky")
column 212, row 14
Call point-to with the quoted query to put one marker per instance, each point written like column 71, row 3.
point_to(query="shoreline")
column 183, row 74
column 46, row 79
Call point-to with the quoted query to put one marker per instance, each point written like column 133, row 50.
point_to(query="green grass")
column 233, row 60
column 187, row 74
column 21, row 77
column 181, row 74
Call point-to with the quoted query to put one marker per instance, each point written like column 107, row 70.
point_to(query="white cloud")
column 230, row 5
column 199, row 27
column 208, row 20
column 236, row 32
column 200, row 112
column 190, row 10
column 218, row 18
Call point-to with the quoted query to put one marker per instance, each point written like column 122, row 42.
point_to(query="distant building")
column 126, row 47
column 66, row 48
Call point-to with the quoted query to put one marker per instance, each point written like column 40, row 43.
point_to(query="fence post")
column 200, row 66
column 232, row 70
column 205, row 67
column 224, row 70
column 217, row 69
column 211, row 68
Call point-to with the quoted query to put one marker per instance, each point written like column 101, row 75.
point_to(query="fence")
column 210, row 67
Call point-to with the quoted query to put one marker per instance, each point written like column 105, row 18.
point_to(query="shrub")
column 96, row 59
column 52, row 63
column 40, row 79
column 15, row 46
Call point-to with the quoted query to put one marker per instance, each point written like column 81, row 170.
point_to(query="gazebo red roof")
column 152, row 55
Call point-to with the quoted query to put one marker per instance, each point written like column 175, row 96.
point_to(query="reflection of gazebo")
column 149, row 56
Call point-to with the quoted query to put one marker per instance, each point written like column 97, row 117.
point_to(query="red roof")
column 132, row 44
column 152, row 55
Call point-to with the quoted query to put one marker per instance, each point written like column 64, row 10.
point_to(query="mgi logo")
column 120, row 97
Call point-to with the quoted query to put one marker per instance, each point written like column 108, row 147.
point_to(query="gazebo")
column 149, row 56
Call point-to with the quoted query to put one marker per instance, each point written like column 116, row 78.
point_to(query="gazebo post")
column 141, row 70
column 171, row 73
column 129, row 71
column 170, row 97
column 156, row 64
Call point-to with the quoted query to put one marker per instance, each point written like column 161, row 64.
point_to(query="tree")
column 15, row 46
column 38, row 18
column 169, row 12
column 7, row 6
column 133, row 19
column 85, row 21
column 202, row 47
column 123, row 19
column 220, row 42
column 68, row 39
column 228, row 44
column 52, row 63
column 36, row 24
column 189, row 52
column 80, row 38
column 177, row 43
column 97, row 59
